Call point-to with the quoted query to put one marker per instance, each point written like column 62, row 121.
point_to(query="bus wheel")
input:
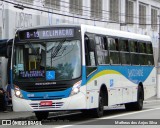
column 41, row 115
column 98, row 112
column 139, row 104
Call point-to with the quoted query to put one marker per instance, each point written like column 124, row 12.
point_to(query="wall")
column 12, row 18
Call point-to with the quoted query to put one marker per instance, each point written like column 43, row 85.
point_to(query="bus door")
column 91, row 68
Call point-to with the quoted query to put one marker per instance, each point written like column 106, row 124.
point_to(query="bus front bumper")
column 75, row 102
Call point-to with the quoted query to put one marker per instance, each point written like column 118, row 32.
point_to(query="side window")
column 134, row 55
column 89, row 50
column 143, row 57
column 124, row 51
column 113, row 44
column 123, row 45
column 133, row 46
column 142, row 47
column 113, row 51
column 149, row 51
column 101, row 48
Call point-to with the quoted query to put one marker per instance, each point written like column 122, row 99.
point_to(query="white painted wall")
column 12, row 18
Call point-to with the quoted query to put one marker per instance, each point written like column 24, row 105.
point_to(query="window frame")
column 103, row 48
column 96, row 9
column 116, row 50
column 129, row 10
column 76, row 7
column 142, row 15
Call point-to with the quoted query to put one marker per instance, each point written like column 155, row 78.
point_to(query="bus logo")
column 50, row 75
column 111, row 82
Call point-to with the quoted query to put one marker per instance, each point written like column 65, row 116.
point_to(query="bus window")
column 113, row 51
column 134, row 58
column 89, row 51
column 124, row 51
column 143, row 58
column 133, row 46
column 149, row 49
column 102, row 53
column 113, row 44
column 150, row 60
column 123, row 45
column 142, row 47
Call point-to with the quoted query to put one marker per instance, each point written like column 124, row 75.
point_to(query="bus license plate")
column 46, row 103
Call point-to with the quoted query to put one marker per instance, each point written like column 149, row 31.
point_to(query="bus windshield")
column 51, row 61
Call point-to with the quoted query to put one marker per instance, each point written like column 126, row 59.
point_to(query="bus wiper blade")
column 31, row 46
column 57, row 49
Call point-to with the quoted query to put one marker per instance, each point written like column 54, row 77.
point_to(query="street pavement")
column 30, row 115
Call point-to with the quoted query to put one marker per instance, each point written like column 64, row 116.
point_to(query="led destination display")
column 46, row 33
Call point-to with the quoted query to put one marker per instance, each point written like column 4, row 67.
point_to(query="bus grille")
column 36, row 106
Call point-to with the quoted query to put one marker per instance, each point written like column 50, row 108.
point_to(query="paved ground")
column 22, row 115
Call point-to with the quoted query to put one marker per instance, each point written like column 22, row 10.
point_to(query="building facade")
column 138, row 16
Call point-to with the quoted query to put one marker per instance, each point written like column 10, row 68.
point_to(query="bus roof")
column 115, row 33
column 99, row 30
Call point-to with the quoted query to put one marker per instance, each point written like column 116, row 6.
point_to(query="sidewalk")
column 31, row 115
column 152, row 99
column 16, row 115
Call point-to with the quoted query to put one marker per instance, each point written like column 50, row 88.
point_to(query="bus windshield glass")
column 47, row 61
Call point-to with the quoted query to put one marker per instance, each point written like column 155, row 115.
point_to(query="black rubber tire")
column 41, row 115
column 98, row 112
column 136, row 106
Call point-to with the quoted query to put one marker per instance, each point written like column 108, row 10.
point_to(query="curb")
column 150, row 101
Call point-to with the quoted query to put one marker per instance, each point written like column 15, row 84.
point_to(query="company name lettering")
column 135, row 72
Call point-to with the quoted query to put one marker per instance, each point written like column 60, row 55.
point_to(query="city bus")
column 80, row 67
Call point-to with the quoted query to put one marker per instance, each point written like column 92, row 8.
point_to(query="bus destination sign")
column 46, row 33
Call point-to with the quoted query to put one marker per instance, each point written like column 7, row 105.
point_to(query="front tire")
column 41, row 115
column 139, row 104
column 98, row 112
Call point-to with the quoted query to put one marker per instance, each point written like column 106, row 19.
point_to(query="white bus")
column 80, row 67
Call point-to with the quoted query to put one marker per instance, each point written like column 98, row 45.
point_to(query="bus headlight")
column 17, row 92
column 76, row 88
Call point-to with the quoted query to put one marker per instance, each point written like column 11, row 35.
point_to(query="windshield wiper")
column 31, row 46
column 55, row 50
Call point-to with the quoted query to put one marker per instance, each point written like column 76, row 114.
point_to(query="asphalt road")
column 114, row 117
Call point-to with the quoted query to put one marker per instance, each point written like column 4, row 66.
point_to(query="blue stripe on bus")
column 46, row 95
column 135, row 74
